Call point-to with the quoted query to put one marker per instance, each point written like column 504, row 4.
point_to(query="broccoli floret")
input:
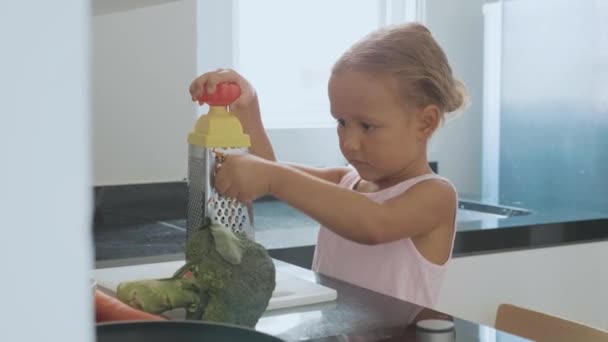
column 227, row 278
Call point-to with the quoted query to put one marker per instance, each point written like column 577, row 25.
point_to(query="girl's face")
column 379, row 136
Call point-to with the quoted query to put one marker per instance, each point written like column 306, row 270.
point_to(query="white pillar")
column 45, row 195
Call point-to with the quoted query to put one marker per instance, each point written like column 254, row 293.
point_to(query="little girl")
column 388, row 223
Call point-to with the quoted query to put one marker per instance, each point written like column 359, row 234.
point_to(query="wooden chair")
column 541, row 327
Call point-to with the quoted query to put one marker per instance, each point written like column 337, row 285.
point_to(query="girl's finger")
column 224, row 75
column 226, row 161
column 230, row 76
column 209, row 80
column 231, row 193
column 221, row 184
column 216, row 174
column 244, row 198
column 197, row 86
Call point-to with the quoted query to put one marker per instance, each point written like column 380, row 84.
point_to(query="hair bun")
column 457, row 98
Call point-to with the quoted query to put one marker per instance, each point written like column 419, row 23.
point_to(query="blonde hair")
column 411, row 56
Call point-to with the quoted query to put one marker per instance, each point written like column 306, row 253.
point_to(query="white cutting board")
column 290, row 291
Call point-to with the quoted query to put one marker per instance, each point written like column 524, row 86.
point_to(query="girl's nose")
column 351, row 142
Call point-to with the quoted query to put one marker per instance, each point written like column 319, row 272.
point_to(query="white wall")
column 143, row 62
column 113, row 6
column 214, row 46
column 567, row 281
column 45, row 197
column 308, row 146
column 458, row 27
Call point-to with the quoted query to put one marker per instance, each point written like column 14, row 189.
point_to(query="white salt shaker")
column 435, row 330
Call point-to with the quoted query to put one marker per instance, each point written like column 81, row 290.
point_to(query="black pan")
column 177, row 331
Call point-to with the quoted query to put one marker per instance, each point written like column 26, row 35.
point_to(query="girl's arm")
column 331, row 174
column 251, row 120
column 353, row 216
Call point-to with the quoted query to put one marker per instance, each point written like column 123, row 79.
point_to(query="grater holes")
column 219, row 209
column 229, row 213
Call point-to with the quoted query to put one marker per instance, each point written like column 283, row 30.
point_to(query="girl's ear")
column 429, row 119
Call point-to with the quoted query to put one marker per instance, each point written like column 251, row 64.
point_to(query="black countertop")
column 149, row 219
column 357, row 314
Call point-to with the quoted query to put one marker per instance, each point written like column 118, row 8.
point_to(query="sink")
column 477, row 211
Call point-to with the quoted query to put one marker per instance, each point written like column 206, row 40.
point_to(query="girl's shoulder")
column 429, row 183
column 351, row 178
column 428, row 176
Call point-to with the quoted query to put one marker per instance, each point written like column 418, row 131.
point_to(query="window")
column 288, row 56
column 545, row 118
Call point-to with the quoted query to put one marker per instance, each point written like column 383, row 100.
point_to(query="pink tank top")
column 395, row 268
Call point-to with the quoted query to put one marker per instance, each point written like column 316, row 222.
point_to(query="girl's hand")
column 244, row 177
column 208, row 81
column 246, row 107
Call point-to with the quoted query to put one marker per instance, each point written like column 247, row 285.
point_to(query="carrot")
column 108, row 308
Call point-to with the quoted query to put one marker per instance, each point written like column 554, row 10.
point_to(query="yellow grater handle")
column 219, row 127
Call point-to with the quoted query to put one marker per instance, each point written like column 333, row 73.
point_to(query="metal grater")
column 215, row 135
column 203, row 200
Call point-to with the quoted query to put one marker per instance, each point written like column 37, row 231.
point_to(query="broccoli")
column 227, row 278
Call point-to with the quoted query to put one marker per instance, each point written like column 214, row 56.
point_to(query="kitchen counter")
column 147, row 220
column 357, row 315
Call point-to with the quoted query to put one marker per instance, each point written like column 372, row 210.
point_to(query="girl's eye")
column 340, row 122
column 367, row 127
